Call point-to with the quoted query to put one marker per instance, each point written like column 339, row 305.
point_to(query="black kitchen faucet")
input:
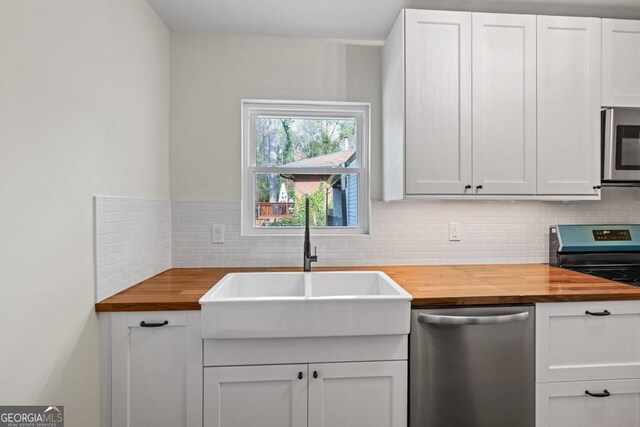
column 308, row 258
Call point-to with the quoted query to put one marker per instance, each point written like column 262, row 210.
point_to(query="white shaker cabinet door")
column 611, row 403
column 360, row 394
column 569, row 105
column 620, row 63
column 596, row 340
column 438, row 102
column 504, row 103
column 255, row 396
column 156, row 369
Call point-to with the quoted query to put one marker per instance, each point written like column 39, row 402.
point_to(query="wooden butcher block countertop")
column 181, row 288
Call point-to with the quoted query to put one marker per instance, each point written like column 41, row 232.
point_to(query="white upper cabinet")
column 620, row 63
column 438, row 102
column 569, row 84
column 504, row 104
column 497, row 105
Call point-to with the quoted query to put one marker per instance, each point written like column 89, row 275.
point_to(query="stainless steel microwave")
column 620, row 145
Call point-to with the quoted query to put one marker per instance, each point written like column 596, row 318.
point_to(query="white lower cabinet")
column 151, row 369
column 614, row 403
column 256, row 396
column 581, row 341
column 367, row 394
column 588, row 364
column 359, row 394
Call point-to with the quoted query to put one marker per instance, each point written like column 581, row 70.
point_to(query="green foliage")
column 263, row 186
column 285, row 140
column 325, row 136
column 287, row 153
column 317, row 212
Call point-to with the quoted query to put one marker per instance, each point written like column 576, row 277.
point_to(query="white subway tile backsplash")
column 133, row 242
column 411, row 232
column 137, row 239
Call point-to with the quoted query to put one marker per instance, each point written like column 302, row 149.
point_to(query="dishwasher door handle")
column 438, row 319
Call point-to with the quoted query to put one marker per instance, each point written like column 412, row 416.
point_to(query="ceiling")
column 352, row 19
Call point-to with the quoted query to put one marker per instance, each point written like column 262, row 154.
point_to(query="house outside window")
column 293, row 150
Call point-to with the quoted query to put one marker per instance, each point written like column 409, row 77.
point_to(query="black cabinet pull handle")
column 598, row 313
column 315, row 374
column 300, row 375
column 478, row 187
column 605, row 393
column 153, row 325
column 597, row 187
column 467, row 187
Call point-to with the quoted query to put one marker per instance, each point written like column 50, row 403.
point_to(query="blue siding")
column 337, row 202
column 352, row 200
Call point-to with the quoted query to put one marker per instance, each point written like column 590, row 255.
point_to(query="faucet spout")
column 308, row 258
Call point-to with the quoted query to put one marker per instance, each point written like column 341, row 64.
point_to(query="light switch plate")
column 454, row 231
column 217, row 233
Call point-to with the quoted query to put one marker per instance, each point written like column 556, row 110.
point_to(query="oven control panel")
column 611, row 235
column 594, row 238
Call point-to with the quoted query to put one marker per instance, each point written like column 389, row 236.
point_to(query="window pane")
column 280, row 200
column 302, row 142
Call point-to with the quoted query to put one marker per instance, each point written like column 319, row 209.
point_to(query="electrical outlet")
column 217, row 233
column 454, row 231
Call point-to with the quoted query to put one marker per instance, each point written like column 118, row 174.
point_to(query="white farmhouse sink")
column 318, row 304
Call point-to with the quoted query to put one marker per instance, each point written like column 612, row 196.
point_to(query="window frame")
column 360, row 111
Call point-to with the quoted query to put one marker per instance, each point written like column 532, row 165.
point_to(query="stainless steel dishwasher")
column 472, row 367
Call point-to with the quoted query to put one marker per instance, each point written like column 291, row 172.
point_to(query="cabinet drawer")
column 587, row 341
column 567, row 404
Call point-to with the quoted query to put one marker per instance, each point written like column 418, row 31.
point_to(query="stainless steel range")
column 607, row 251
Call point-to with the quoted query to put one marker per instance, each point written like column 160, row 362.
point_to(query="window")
column 295, row 150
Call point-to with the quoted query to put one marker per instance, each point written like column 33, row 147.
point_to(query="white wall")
column 211, row 73
column 84, row 110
